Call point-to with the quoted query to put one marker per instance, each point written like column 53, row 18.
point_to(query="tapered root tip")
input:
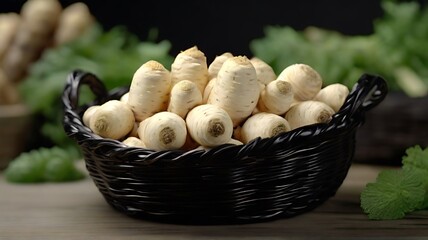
column 154, row 65
column 242, row 60
column 194, row 52
column 186, row 86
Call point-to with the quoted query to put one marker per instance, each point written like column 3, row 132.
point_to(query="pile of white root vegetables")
column 233, row 100
column 41, row 24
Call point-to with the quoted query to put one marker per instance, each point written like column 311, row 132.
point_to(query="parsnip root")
column 75, row 20
column 333, row 95
column 113, row 119
column 209, row 125
column 149, row 90
column 308, row 112
column 305, row 81
column 216, row 64
column 265, row 73
column 236, row 89
column 185, row 95
column 163, row 131
column 276, row 97
column 9, row 23
column 263, row 125
column 134, row 142
column 191, row 65
column 39, row 19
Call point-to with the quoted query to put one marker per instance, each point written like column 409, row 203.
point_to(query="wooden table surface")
column 77, row 210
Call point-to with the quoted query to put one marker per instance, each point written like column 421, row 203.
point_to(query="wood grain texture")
column 77, row 211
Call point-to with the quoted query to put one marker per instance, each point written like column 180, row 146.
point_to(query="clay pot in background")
column 15, row 131
column 399, row 122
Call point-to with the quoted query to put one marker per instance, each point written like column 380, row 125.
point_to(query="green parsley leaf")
column 416, row 160
column 416, row 157
column 423, row 175
column 44, row 165
column 394, row 194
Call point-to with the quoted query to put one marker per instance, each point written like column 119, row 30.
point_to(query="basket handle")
column 72, row 88
column 368, row 92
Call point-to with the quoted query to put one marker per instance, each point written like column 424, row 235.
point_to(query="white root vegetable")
column 257, row 109
column 265, row 73
column 73, row 22
column 333, row 95
column 232, row 141
column 216, row 64
column 163, row 131
column 39, row 19
column 262, row 86
column 9, row 23
column 124, row 97
column 42, row 15
column 209, row 125
column 185, row 95
column 236, row 89
column 308, row 112
column 134, row 131
column 276, row 97
column 113, row 119
column 87, row 115
column 263, row 125
column 149, row 90
column 191, row 65
column 237, row 133
column 134, row 142
column 207, row 90
column 235, row 141
column 305, row 81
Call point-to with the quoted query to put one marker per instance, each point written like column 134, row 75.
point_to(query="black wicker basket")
column 266, row 179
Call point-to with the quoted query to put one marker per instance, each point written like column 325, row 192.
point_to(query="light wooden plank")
column 77, row 211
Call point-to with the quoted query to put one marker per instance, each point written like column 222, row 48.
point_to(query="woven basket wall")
column 282, row 176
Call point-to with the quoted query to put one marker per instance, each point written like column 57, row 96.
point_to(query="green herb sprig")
column 400, row 191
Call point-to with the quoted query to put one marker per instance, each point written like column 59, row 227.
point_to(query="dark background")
column 218, row 26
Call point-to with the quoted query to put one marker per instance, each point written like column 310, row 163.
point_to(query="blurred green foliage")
column 44, row 165
column 395, row 50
